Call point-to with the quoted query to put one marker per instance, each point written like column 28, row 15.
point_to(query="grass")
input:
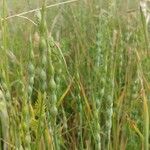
column 74, row 75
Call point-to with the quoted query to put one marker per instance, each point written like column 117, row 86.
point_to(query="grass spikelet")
column 31, row 71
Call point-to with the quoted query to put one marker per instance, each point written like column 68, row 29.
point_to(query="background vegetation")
column 74, row 76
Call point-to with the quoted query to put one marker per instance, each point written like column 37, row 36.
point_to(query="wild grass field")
column 74, row 75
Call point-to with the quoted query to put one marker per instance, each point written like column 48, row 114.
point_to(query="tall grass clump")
column 74, row 75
